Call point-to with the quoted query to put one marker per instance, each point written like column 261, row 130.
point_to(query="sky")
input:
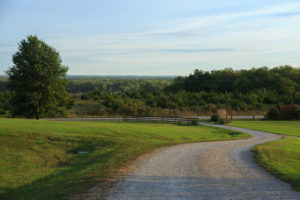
column 155, row 37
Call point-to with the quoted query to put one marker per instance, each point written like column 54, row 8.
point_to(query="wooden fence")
column 184, row 120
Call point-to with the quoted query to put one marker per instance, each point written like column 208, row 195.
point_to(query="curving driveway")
column 208, row 170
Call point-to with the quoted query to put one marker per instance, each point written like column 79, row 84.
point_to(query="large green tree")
column 37, row 80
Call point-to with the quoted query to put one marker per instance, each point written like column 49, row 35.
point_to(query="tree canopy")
column 37, row 80
column 252, row 90
column 281, row 79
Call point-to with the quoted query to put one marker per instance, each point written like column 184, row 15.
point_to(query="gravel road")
column 208, row 170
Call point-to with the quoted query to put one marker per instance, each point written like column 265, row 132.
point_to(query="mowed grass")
column 281, row 158
column 279, row 127
column 40, row 159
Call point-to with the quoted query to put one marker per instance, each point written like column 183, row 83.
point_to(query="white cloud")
column 264, row 36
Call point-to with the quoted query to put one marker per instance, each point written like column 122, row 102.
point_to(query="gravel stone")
column 204, row 171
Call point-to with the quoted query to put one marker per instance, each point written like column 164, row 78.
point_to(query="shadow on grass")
column 74, row 176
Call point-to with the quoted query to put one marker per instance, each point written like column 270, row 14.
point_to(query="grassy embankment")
column 279, row 127
column 41, row 160
column 281, row 157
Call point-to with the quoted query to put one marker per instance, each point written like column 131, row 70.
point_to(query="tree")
column 37, row 80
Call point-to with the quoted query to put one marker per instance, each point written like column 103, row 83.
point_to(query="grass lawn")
column 41, row 160
column 281, row 158
column 280, row 127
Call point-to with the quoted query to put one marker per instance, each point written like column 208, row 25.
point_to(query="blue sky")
column 157, row 37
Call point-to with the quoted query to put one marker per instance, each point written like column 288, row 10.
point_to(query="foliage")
column 3, row 86
column 5, row 98
column 282, row 79
column 155, row 102
column 39, row 159
column 116, row 85
column 83, row 84
column 217, row 119
column 258, row 86
column 214, row 118
column 289, row 112
column 286, row 112
column 201, row 93
column 273, row 114
column 206, row 92
column 37, row 80
column 222, row 116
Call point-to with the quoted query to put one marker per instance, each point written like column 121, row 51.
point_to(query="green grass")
column 39, row 159
column 279, row 127
column 281, row 158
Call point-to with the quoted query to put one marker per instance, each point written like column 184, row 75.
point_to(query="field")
column 281, row 158
column 54, row 160
column 279, row 127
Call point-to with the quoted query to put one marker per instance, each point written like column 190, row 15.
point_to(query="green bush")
column 217, row 119
column 273, row 114
column 286, row 112
column 195, row 121
column 214, row 118
column 290, row 112
column 222, row 121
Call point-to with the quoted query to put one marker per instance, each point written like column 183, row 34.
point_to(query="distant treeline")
column 281, row 80
column 116, row 85
column 146, row 103
column 119, row 77
column 3, row 84
column 83, row 84
column 204, row 92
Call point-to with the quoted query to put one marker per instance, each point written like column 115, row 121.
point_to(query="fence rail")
column 186, row 120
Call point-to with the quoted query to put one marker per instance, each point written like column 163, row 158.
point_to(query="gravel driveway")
column 207, row 170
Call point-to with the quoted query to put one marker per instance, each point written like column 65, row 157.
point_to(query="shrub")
column 290, row 112
column 273, row 114
column 195, row 121
column 85, row 97
column 222, row 121
column 214, row 118
column 286, row 112
column 2, row 111
column 220, row 117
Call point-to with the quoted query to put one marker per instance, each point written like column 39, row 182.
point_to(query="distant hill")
column 130, row 77
column 113, row 84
